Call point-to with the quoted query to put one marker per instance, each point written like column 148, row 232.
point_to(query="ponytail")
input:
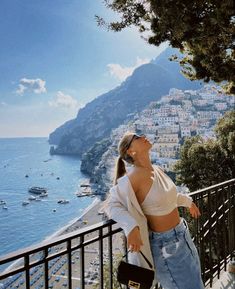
column 120, row 169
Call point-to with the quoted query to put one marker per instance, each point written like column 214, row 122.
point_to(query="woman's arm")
column 194, row 211
column 116, row 210
column 134, row 241
column 184, row 200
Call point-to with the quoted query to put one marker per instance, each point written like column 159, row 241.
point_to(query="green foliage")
column 225, row 132
column 204, row 163
column 175, row 102
column 202, row 30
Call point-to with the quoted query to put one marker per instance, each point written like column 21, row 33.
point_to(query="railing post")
column 27, row 278
column 201, row 237
column 218, row 235
column 225, row 230
column 110, row 257
column 231, row 218
column 82, row 263
column 210, row 237
column 69, row 264
column 101, row 259
column 46, row 275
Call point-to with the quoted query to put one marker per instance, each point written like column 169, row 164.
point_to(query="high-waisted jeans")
column 176, row 258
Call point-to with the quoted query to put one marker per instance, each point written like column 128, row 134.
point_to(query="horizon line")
column 12, row 137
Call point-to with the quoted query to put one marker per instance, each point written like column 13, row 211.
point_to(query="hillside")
column 96, row 120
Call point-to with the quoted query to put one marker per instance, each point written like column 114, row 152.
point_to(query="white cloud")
column 122, row 72
column 64, row 100
column 32, row 85
column 3, row 104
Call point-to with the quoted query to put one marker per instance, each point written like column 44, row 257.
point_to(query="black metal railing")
column 214, row 231
column 37, row 268
column 64, row 261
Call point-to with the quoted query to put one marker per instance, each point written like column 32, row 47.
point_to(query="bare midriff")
column 165, row 222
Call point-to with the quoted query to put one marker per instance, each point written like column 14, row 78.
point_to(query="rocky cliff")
column 92, row 157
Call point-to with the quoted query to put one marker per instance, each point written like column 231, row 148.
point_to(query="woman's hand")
column 194, row 211
column 134, row 241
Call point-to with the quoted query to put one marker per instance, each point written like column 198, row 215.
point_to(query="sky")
column 54, row 59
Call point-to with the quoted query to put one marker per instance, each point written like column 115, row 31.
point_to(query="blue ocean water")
column 21, row 226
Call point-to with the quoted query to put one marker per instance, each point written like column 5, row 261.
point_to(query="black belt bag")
column 134, row 276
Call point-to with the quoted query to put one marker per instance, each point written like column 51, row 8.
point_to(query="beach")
column 58, row 267
column 90, row 215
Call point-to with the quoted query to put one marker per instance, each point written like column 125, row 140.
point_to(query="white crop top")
column 163, row 197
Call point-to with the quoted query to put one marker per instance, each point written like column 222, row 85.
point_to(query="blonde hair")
column 120, row 168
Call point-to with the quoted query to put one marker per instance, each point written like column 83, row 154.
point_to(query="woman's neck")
column 144, row 163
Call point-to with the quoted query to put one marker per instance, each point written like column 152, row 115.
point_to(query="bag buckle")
column 133, row 284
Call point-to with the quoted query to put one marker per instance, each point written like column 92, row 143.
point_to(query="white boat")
column 63, row 201
column 42, row 195
column 87, row 190
column 85, row 183
column 79, row 194
column 5, row 207
column 25, row 203
column 37, row 190
column 32, row 198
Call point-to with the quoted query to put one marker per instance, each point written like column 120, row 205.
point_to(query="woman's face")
column 138, row 144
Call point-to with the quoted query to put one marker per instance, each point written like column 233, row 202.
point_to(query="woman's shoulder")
column 136, row 178
column 158, row 168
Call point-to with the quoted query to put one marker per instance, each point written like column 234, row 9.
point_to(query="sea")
column 26, row 162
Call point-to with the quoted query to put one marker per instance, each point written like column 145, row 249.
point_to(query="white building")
column 176, row 93
column 183, row 115
column 167, row 138
column 221, row 106
column 185, row 131
column 174, row 128
column 200, row 102
column 208, row 115
column 170, row 120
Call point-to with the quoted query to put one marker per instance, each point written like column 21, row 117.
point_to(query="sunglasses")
column 135, row 136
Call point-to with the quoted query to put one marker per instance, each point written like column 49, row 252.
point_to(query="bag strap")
column 145, row 258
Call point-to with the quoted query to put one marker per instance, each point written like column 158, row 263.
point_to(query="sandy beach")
column 58, row 267
column 90, row 215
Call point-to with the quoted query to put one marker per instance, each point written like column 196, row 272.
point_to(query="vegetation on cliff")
column 207, row 162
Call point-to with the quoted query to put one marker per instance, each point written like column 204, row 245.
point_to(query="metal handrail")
column 47, row 256
column 213, row 234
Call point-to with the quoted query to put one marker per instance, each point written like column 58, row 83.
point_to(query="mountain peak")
column 97, row 119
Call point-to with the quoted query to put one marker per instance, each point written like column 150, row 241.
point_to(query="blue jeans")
column 176, row 258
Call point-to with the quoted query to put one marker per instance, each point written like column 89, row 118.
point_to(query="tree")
column 225, row 132
column 205, row 163
column 202, row 30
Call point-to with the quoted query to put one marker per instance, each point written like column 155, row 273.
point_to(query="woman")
column 144, row 202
